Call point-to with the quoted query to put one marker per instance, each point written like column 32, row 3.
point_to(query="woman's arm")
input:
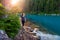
column 20, row 22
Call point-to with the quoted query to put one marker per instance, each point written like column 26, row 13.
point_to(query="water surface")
column 51, row 23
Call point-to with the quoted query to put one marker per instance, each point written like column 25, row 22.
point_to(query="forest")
column 44, row 6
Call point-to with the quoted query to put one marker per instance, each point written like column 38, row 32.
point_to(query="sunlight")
column 15, row 5
column 14, row 2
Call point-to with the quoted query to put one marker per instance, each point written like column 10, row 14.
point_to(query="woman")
column 23, row 19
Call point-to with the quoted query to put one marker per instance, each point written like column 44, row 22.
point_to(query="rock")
column 23, row 35
column 3, row 35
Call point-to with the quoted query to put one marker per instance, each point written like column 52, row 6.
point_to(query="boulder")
column 3, row 35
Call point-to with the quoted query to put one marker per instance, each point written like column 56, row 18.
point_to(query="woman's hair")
column 22, row 14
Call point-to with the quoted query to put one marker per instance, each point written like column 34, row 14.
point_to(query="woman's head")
column 23, row 14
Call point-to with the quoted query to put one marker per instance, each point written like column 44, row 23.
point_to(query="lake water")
column 51, row 23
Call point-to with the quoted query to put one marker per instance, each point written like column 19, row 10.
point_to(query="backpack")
column 23, row 18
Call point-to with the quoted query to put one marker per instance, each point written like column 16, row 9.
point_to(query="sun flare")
column 15, row 5
column 14, row 2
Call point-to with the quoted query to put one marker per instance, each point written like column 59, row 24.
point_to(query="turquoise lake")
column 52, row 23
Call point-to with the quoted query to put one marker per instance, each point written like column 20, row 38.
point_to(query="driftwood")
column 23, row 35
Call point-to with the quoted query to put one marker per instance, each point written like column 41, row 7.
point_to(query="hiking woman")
column 23, row 19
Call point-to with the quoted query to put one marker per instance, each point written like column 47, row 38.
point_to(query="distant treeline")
column 45, row 6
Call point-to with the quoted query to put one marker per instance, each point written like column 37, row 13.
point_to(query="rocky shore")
column 3, row 35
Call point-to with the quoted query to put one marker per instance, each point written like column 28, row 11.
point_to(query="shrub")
column 10, row 24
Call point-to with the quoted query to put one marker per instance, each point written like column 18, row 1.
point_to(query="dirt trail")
column 23, row 35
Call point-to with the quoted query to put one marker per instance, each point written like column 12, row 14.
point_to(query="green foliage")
column 10, row 24
column 2, row 10
column 46, row 6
